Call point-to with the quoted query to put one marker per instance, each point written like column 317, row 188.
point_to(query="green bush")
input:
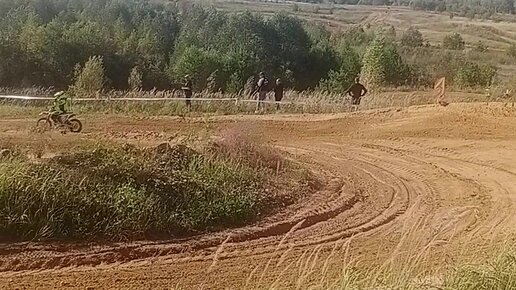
column 125, row 193
column 340, row 79
column 474, row 75
column 135, row 80
column 412, row 38
column 453, row 41
column 382, row 65
column 198, row 63
column 90, row 79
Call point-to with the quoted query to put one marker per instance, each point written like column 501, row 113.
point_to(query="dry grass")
column 312, row 102
column 420, row 260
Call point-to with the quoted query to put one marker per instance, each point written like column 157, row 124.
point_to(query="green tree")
column 90, row 79
column 453, row 41
column 135, row 80
column 474, row 75
column 341, row 78
column 412, row 38
column 382, row 65
column 196, row 62
column 373, row 70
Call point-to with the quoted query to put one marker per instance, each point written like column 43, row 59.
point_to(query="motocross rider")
column 61, row 100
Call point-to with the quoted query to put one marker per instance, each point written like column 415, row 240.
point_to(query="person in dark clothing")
column 187, row 90
column 262, row 89
column 278, row 92
column 356, row 91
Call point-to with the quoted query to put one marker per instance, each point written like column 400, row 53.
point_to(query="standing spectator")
column 187, row 90
column 278, row 92
column 263, row 88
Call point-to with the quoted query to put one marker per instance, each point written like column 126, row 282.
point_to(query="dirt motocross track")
column 447, row 173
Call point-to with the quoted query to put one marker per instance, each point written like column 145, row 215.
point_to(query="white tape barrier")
column 118, row 99
column 236, row 100
column 24, row 98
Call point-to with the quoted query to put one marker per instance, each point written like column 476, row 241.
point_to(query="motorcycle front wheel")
column 44, row 125
column 75, row 125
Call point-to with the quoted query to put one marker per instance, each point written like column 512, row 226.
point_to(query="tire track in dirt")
column 266, row 238
column 374, row 186
column 497, row 183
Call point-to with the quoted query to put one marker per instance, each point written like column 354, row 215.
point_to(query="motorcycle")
column 49, row 120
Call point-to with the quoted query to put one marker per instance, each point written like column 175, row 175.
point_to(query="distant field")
column 497, row 35
column 434, row 26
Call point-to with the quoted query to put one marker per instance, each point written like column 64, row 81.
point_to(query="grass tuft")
column 122, row 192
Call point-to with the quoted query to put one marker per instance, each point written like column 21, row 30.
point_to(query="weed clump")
column 245, row 148
column 500, row 273
column 123, row 192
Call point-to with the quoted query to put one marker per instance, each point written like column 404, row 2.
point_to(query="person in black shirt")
column 262, row 88
column 356, row 91
column 278, row 92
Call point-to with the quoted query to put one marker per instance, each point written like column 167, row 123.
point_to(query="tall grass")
column 122, row 192
column 294, row 102
column 421, row 259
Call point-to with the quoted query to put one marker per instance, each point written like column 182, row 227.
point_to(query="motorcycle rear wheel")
column 75, row 125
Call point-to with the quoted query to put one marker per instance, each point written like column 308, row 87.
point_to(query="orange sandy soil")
column 448, row 173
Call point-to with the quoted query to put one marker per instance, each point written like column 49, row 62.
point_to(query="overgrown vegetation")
column 122, row 192
column 499, row 273
column 453, row 41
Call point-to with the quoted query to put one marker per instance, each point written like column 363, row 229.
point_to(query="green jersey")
column 60, row 103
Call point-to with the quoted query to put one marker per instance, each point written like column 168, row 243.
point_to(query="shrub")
column 135, row 80
column 90, row 79
column 412, row 38
column 382, row 64
column 453, row 41
column 123, row 192
column 198, row 63
column 474, row 75
column 511, row 51
column 373, row 70
column 349, row 67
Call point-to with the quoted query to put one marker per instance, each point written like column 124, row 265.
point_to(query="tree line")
column 45, row 43
column 138, row 44
column 467, row 8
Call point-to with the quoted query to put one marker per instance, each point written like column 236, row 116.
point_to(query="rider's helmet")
column 58, row 94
